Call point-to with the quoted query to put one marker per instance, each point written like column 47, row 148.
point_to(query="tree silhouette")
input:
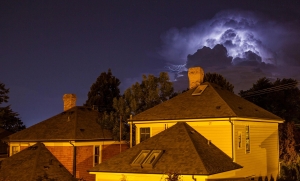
column 9, row 119
column 219, row 80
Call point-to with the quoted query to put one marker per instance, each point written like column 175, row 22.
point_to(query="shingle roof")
column 214, row 102
column 77, row 123
column 34, row 163
column 185, row 151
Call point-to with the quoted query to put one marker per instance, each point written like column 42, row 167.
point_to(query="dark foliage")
column 219, row 80
column 9, row 119
column 103, row 91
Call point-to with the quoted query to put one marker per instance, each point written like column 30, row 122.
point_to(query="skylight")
column 198, row 91
column 140, row 158
column 147, row 158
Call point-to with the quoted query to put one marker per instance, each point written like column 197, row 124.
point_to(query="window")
column 152, row 158
column 15, row 149
column 247, row 139
column 140, row 158
column 97, row 155
column 144, row 134
column 147, row 158
column 239, row 139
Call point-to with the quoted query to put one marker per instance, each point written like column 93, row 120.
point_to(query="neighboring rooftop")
column 213, row 102
column 78, row 123
column 184, row 150
column 34, row 163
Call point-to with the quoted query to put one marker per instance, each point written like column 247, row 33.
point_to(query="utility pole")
column 120, row 133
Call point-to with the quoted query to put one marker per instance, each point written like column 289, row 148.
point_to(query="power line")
column 290, row 85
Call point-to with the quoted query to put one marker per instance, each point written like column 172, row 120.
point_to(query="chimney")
column 196, row 76
column 69, row 101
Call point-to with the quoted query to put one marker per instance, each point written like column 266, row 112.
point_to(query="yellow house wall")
column 263, row 157
column 100, row 176
column 219, row 132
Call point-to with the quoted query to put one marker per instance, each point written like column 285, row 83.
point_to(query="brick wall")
column 84, row 160
column 64, row 154
column 109, row 151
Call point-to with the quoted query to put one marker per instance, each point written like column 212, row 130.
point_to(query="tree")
column 103, row 91
column 282, row 98
column 142, row 96
column 149, row 93
column 9, row 120
column 219, row 80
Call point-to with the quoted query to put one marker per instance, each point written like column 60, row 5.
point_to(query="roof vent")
column 208, row 142
column 218, row 107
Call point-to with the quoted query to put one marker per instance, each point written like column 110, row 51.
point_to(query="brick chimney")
column 69, row 101
column 196, row 76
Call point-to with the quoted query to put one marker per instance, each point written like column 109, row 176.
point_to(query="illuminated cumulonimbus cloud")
column 246, row 36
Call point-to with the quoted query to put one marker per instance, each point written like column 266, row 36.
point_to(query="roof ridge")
column 213, row 88
column 186, row 126
column 36, row 158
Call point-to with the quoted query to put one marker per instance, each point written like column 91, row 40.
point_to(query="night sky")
column 49, row 48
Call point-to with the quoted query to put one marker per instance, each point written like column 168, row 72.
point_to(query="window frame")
column 97, row 158
column 247, row 139
column 13, row 151
column 144, row 133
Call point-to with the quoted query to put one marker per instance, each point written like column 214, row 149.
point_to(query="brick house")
column 209, row 121
column 34, row 163
column 73, row 136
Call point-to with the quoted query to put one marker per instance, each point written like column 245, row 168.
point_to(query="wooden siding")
column 263, row 157
column 218, row 132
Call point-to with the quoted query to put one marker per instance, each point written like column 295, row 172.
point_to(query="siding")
column 263, row 157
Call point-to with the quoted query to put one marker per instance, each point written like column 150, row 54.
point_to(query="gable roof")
column 214, row 102
column 78, row 123
column 35, row 162
column 185, row 151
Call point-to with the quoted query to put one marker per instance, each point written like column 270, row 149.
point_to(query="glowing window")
column 15, row 149
column 144, row 134
column 140, row 158
column 247, row 139
column 97, row 155
column 152, row 158
column 239, row 139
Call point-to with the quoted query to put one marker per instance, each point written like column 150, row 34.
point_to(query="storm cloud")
column 232, row 41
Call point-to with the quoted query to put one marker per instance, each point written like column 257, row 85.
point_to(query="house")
column 73, row 136
column 34, row 163
column 244, row 132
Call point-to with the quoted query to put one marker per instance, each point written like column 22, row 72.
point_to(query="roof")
column 214, row 102
column 77, row 123
column 185, row 151
column 34, row 163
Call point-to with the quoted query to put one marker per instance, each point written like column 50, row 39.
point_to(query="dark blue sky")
column 49, row 48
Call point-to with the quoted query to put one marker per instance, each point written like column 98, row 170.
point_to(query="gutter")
column 74, row 159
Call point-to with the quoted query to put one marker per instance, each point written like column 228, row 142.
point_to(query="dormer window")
column 147, row 158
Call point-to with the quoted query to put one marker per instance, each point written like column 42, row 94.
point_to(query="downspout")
column 74, row 159
column 232, row 139
column 194, row 178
